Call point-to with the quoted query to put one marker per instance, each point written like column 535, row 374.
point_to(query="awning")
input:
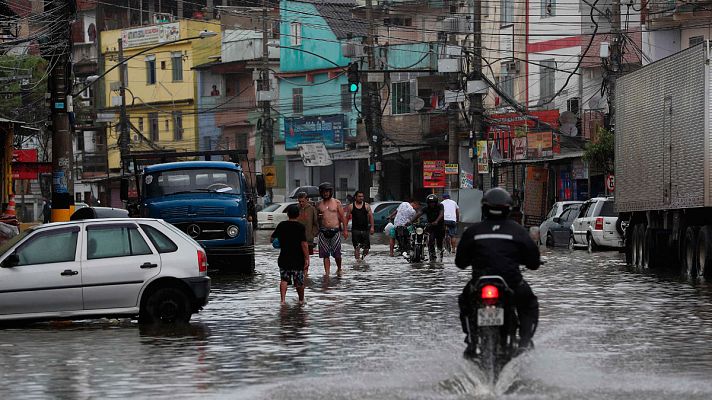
column 556, row 157
column 359, row 154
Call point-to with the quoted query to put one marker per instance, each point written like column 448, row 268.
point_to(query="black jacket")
column 497, row 247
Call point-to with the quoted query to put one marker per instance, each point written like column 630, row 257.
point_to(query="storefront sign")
column 27, row 155
column 153, row 34
column 535, row 195
column 434, row 174
column 451, row 169
column 579, row 169
column 539, row 145
column 520, row 148
column 482, row 157
column 326, row 129
column 30, row 170
column 270, row 173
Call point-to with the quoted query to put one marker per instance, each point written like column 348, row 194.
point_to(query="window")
column 160, row 241
column 115, row 241
column 153, row 126
column 506, row 15
column 177, row 125
column 694, row 40
column 506, row 81
column 140, row 124
column 150, row 70
column 177, row 65
column 590, row 210
column 343, row 184
column 574, row 105
column 608, row 209
column 80, row 141
column 574, row 213
column 297, row 101
column 548, row 8
column 346, row 103
column 51, row 247
column 565, row 216
column 547, row 80
column 400, row 93
column 207, row 143
column 295, row 32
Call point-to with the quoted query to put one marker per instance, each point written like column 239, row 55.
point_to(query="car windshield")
column 608, row 209
column 271, row 207
column 198, row 180
column 14, row 240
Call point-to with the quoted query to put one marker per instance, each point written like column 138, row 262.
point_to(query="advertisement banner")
column 434, row 174
column 451, row 169
column 540, row 144
column 152, row 34
column 482, row 157
column 26, row 155
column 466, row 180
column 327, row 129
column 535, row 195
column 520, row 148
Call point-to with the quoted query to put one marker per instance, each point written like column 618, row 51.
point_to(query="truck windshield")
column 164, row 183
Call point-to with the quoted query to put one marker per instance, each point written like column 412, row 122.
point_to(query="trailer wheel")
column 632, row 246
column 689, row 255
column 704, row 252
column 643, row 237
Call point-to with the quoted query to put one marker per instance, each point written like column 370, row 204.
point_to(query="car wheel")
column 572, row 243
column 550, row 240
column 166, row 305
column 591, row 244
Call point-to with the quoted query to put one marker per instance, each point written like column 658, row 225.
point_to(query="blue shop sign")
column 327, row 129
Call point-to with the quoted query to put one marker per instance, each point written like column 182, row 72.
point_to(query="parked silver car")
column 557, row 209
column 103, row 267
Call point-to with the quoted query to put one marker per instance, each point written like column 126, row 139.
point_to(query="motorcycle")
column 492, row 328
column 418, row 243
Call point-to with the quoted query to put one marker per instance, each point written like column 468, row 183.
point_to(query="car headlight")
column 232, row 231
column 419, row 231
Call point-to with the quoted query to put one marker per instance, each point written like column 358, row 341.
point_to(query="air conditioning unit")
column 353, row 50
column 455, row 25
column 512, row 66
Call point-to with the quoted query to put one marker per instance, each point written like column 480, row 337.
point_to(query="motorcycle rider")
column 435, row 214
column 498, row 246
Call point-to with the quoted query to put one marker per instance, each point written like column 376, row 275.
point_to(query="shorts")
column 295, row 278
column 329, row 243
column 361, row 239
column 451, row 228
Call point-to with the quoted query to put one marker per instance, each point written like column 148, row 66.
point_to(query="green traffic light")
column 353, row 87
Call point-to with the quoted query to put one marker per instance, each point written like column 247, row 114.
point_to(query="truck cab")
column 208, row 200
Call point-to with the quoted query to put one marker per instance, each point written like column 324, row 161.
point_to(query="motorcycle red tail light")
column 490, row 292
column 599, row 224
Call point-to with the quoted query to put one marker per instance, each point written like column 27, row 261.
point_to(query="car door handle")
column 69, row 272
column 148, row 265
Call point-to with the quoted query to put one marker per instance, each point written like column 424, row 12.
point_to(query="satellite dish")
column 567, row 118
column 416, row 103
column 569, row 129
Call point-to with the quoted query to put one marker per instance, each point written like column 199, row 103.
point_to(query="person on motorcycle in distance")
column 498, row 246
column 435, row 214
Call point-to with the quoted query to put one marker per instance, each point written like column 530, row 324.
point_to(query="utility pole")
column 371, row 105
column 267, row 128
column 452, row 116
column 616, row 60
column 59, row 88
column 476, row 106
column 123, row 118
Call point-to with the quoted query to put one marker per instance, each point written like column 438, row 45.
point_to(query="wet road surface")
column 383, row 329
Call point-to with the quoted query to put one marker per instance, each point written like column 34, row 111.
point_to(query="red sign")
column 30, row 170
column 434, row 174
column 611, row 182
column 28, row 155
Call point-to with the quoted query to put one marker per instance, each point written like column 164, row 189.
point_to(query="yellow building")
column 161, row 85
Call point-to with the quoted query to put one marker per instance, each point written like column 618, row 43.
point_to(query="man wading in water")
column 361, row 224
column 330, row 217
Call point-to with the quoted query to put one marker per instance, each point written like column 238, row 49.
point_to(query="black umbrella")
column 311, row 191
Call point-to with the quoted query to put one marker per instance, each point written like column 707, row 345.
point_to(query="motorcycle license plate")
column 490, row 316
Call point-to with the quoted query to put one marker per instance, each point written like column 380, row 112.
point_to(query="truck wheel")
column 166, row 305
column 651, row 249
column 632, row 246
column 643, row 246
column 704, row 252
column 689, row 256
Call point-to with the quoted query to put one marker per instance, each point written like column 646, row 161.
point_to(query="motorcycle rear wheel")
column 489, row 348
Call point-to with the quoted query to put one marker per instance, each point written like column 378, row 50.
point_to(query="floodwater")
column 384, row 329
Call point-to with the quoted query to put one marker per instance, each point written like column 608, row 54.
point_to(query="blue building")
column 315, row 104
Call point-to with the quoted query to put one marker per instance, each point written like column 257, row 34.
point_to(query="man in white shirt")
column 403, row 214
column 452, row 217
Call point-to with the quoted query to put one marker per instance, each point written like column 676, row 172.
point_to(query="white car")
column 596, row 225
column 114, row 267
column 272, row 215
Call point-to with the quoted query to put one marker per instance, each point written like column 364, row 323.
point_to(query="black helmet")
column 325, row 186
column 497, row 203
column 431, row 198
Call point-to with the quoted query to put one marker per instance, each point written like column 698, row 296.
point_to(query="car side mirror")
column 557, row 220
column 124, row 191
column 10, row 261
column 260, row 185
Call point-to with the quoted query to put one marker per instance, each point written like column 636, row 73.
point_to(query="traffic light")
column 353, row 77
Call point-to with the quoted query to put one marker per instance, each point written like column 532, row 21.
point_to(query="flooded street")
column 383, row 329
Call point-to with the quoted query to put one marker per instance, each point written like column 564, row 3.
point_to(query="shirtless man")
column 330, row 217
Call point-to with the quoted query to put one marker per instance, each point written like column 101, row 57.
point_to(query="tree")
column 600, row 152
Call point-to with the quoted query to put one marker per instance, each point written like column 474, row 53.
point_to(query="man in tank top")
column 361, row 224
